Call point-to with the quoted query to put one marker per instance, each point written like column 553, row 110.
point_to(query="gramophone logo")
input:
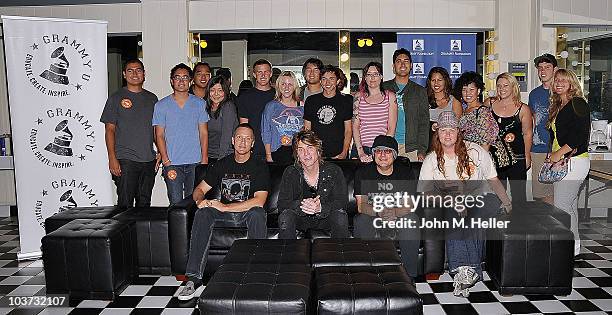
column 63, row 194
column 58, row 65
column 61, row 137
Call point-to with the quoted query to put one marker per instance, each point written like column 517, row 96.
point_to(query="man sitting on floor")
column 244, row 184
column 313, row 193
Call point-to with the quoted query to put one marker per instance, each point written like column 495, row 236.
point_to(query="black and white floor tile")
column 150, row 295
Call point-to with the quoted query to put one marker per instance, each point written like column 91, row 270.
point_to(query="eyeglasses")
column 373, row 75
column 181, row 78
column 381, row 151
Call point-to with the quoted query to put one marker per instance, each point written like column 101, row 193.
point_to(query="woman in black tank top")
column 512, row 149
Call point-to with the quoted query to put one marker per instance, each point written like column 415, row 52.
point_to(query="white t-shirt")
column 480, row 163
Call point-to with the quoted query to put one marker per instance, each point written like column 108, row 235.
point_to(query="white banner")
column 56, row 71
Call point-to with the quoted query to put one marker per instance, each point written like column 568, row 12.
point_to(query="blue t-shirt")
column 400, row 127
column 279, row 123
column 181, row 128
column 539, row 102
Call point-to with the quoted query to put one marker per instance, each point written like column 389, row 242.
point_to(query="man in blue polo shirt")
column 539, row 102
column 181, row 134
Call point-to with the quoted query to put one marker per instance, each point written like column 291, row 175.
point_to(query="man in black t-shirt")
column 127, row 120
column 252, row 103
column 386, row 171
column 329, row 115
column 244, row 183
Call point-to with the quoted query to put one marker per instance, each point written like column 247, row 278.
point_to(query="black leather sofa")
column 180, row 218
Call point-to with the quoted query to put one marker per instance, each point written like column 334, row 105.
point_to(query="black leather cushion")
column 57, row 220
column 534, row 255
column 251, row 251
column 90, row 258
column 366, row 290
column 353, row 252
column 257, row 289
column 541, row 208
column 151, row 225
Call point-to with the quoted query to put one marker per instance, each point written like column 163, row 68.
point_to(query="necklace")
column 313, row 182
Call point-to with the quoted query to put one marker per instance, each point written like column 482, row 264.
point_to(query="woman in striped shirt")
column 374, row 112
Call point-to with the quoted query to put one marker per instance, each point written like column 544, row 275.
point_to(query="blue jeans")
column 179, row 181
column 201, row 232
column 465, row 246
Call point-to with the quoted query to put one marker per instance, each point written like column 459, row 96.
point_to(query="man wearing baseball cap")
column 546, row 65
column 387, row 171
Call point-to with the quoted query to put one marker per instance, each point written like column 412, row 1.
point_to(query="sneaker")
column 188, row 292
column 464, row 279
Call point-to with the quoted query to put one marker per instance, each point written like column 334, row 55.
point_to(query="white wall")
column 585, row 12
column 121, row 17
column 216, row 15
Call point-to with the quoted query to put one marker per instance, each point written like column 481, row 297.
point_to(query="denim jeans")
column 465, row 246
column 180, row 183
column 201, row 233
column 289, row 221
column 409, row 238
column 135, row 183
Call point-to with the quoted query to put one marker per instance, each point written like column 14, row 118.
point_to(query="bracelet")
column 166, row 161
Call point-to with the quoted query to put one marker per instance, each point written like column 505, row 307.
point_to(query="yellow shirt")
column 555, row 144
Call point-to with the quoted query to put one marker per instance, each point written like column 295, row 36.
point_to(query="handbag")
column 553, row 171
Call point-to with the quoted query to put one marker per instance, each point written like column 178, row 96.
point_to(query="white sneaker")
column 464, row 279
column 188, row 292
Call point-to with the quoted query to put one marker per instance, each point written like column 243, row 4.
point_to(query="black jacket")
column 573, row 125
column 331, row 189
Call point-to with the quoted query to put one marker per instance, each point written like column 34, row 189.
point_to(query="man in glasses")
column 385, row 176
column 313, row 193
column 181, row 134
column 129, row 138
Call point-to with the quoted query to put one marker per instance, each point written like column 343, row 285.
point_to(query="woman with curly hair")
column 569, row 124
column 476, row 123
column 456, row 166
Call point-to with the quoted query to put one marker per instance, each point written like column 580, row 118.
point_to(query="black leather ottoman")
column 57, row 220
column 366, row 290
column 151, row 225
column 534, row 255
column 257, row 289
column 89, row 258
column 268, row 251
column 353, row 252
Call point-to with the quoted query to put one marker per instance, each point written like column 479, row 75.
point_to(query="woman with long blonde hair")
column 569, row 122
column 281, row 119
column 512, row 149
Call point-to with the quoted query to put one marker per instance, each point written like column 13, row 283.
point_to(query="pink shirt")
column 374, row 119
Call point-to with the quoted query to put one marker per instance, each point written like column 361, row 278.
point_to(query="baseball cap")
column 545, row 58
column 447, row 120
column 385, row 142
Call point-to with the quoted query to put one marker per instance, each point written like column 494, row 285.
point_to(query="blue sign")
column 455, row 52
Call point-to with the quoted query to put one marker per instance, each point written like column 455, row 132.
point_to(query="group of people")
column 447, row 127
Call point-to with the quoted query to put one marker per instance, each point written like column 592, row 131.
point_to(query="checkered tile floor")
column 592, row 293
